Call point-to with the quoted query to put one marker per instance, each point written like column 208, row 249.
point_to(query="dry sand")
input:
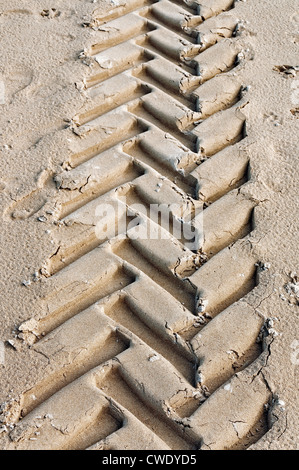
column 135, row 351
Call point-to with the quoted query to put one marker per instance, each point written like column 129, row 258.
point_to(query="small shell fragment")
column 153, row 358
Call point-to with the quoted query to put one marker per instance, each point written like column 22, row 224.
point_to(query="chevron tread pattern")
column 150, row 336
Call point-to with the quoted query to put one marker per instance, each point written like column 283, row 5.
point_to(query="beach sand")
column 110, row 342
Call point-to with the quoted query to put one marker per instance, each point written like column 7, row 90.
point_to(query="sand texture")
column 149, row 225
